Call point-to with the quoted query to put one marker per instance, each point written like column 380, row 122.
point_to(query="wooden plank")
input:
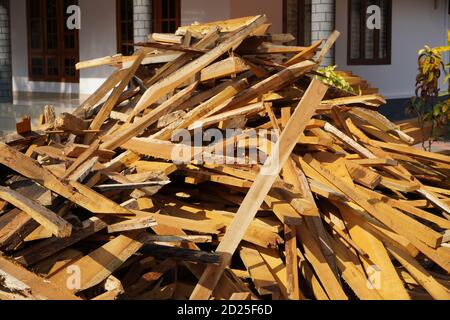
column 100, row 264
column 352, row 275
column 224, row 68
column 48, row 219
column 179, row 254
column 305, row 54
column 86, row 107
column 174, row 80
column 401, row 148
column 165, row 37
column 428, row 282
column 278, row 270
column 392, row 218
column 224, row 26
column 76, row 150
column 106, row 109
column 297, row 178
column 262, row 277
column 203, row 109
column 388, row 283
column 130, row 225
column 70, row 124
column 246, row 111
column 273, row 83
column 363, row 175
column 30, row 169
column 261, row 188
column 44, row 249
column 152, row 117
column 37, row 288
column 291, row 262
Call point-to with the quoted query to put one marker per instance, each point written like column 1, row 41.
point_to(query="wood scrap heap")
column 150, row 190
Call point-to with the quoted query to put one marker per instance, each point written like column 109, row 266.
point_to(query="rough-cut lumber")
column 305, row 110
column 100, row 264
column 177, row 78
column 35, row 287
column 133, row 130
column 387, row 215
column 48, row 219
column 262, row 277
column 130, row 225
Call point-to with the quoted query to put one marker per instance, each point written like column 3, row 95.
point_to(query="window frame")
column 300, row 36
column 60, row 53
column 365, row 61
column 119, row 20
column 157, row 15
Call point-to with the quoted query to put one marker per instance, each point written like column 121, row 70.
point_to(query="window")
column 297, row 20
column 166, row 15
column 366, row 46
column 52, row 47
column 125, row 27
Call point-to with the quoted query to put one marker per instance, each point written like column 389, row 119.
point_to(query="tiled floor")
column 32, row 104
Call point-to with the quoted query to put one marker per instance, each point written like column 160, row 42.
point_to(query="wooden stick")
column 291, row 262
column 261, row 188
column 48, row 219
column 135, row 129
column 175, row 79
column 35, row 287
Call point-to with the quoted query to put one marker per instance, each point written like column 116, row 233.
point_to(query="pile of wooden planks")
column 115, row 202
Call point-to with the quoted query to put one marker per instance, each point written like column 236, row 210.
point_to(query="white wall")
column 97, row 39
column 415, row 23
column 204, row 11
column 272, row 8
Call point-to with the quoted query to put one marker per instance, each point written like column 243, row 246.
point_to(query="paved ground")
column 32, row 104
column 441, row 146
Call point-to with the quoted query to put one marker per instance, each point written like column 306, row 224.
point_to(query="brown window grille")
column 366, row 46
column 53, row 49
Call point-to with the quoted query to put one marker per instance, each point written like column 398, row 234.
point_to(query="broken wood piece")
column 304, row 112
column 48, row 219
column 133, row 224
column 195, row 256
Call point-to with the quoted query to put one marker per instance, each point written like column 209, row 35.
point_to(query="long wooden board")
column 261, row 187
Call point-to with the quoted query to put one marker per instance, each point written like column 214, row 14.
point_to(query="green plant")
column 427, row 105
column 427, row 81
column 329, row 76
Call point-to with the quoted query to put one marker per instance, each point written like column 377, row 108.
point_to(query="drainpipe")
column 323, row 24
column 5, row 53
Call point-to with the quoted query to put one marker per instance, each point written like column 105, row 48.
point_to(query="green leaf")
column 447, row 77
column 437, row 110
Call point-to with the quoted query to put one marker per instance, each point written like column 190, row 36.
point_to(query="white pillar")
column 5, row 53
column 142, row 17
column 323, row 24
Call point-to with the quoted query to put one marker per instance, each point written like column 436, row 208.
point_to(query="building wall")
column 204, row 11
column 5, row 53
column 97, row 39
column 415, row 23
column 272, row 8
